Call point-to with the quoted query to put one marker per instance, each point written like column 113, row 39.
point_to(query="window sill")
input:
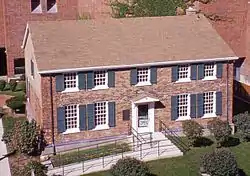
column 100, row 87
column 183, row 80
column 74, row 130
column 143, row 84
column 70, row 90
column 207, row 116
column 209, row 78
column 101, row 127
column 183, row 118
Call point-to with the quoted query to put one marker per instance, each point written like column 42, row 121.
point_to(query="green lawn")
column 188, row 165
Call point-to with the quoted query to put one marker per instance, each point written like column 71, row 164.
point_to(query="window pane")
column 50, row 4
column 209, row 70
column 34, row 4
column 71, row 116
column 183, row 71
column 19, row 66
column 100, row 78
column 142, row 75
column 183, row 105
column 70, row 80
column 208, row 102
column 100, row 113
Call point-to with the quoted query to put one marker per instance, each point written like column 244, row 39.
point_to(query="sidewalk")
column 4, row 163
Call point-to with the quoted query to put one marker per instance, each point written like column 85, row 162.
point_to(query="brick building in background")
column 15, row 14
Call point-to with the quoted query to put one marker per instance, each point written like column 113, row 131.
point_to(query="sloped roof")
column 128, row 41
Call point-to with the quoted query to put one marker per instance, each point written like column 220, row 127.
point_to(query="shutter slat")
column 219, row 70
column 133, row 76
column 82, row 81
column 59, row 83
column 200, row 71
column 193, row 72
column 111, row 110
column 111, row 78
column 90, row 80
column 200, row 105
column 218, row 103
column 61, row 119
column 193, row 105
column 174, row 73
column 174, row 108
column 153, row 75
column 82, row 116
column 91, row 116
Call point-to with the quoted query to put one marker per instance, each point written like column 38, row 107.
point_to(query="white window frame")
column 213, row 114
column 77, row 129
column 98, row 87
column 75, row 89
column 38, row 9
column 180, row 118
column 104, row 126
column 214, row 72
column 145, row 83
column 188, row 79
column 53, row 9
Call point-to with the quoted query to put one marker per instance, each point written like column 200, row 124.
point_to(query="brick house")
column 92, row 79
column 15, row 14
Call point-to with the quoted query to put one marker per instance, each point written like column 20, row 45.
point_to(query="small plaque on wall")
column 126, row 115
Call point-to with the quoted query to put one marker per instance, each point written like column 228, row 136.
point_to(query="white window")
column 183, row 73
column 183, row 107
column 36, row 6
column 71, row 118
column 209, row 71
column 209, row 104
column 70, row 81
column 51, row 6
column 100, row 79
column 101, row 115
column 143, row 76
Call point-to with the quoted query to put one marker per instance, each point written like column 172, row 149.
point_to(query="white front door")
column 143, row 117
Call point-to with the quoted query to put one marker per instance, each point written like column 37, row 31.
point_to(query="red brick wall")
column 2, row 40
column 123, row 93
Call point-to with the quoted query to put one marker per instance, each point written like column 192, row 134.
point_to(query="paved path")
column 4, row 163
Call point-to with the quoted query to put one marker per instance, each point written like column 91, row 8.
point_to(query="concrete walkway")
column 4, row 163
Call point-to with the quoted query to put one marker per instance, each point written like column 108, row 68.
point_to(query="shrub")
column 2, row 84
column 130, row 167
column 219, row 163
column 39, row 169
column 242, row 123
column 193, row 130
column 7, row 87
column 12, row 84
column 15, row 103
column 21, row 86
column 220, row 129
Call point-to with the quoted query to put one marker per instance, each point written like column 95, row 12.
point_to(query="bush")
column 220, row 162
column 2, row 84
column 15, row 103
column 12, row 84
column 21, row 86
column 220, row 129
column 130, row 167
column 39, row 169
column 7, row 87
column 242, row 123
column 193, row 130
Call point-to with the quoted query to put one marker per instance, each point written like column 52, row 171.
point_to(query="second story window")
column 183, row 72
column 143, row 75
column 70, row 81
column 209, row 70
column 36, row 6
column 100, row 79
column 51, row 6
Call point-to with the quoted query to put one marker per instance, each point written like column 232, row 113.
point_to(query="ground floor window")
column 19, row 66
column 71, row 117
column 101, row 113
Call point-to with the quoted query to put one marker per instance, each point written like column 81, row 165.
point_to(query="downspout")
column 227, row 92
column 52, row 116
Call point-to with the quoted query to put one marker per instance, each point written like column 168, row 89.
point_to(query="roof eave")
column 231, row 58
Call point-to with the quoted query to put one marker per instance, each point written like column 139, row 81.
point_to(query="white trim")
column 188, row 79
column 183, row 80
column 214, row 77
column 74, row 130
column 143, row 84
column 146, row 100
column 75, row 89
column 25, row 37
column 181, row 118
column 100, row 87
column 137, row 65
column 211, row 115
column 104, row 126
column 146, row 83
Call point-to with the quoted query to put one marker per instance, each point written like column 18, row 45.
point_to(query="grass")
column 77, row 156
column 188, row 165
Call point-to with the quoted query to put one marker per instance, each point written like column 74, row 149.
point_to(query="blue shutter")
column 61, row 119
column 219, row 70
column 193, row 105
column 200, row 71
column 90, row 80
column 82, row 116
column 218, row 103
column 82, row 81
column 200, row 105
column 111, row 78
column 91, row 116
column 193, row 72
column 111, row 110
column 59, row 83
column 153, row 75
column 174, row 107
column 174, row 73
column 133, row 76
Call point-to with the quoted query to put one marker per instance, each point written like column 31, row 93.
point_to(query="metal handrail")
column 174, row 137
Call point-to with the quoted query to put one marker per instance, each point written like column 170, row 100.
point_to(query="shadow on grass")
column 231, row 142
column 242, row 173
column 156, row 175
column 203, row 142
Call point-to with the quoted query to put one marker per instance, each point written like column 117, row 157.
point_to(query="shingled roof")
column 129, row 41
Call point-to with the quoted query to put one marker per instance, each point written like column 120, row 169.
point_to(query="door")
column 143, row 118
